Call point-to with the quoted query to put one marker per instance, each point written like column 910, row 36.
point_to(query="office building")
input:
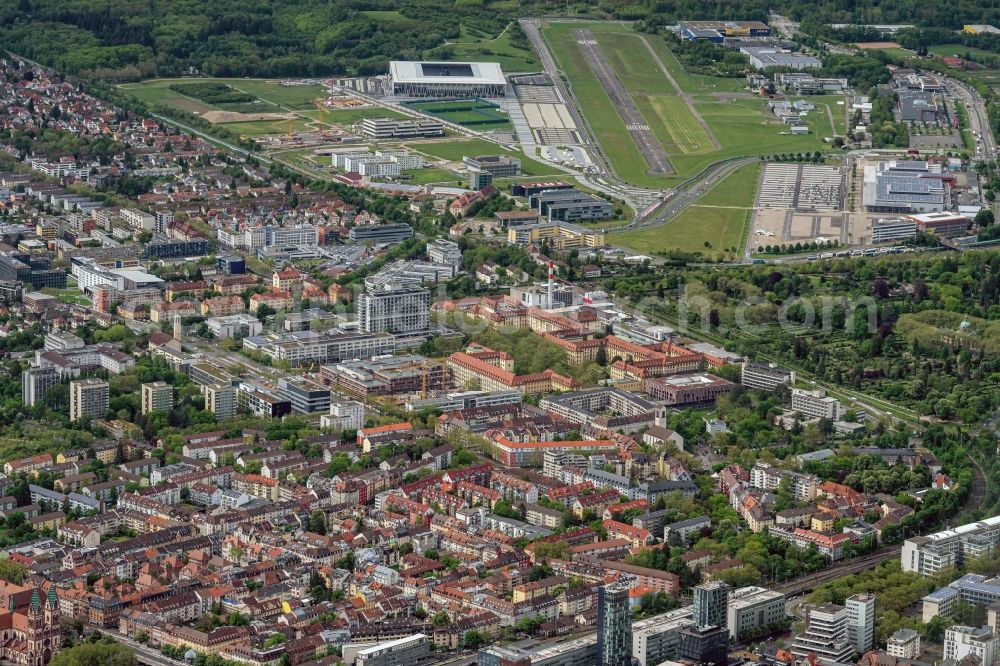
column 446, row 79
column 687, row 389
column 445, row 252
column 751, row 609
column 961, row 641
column 378, row 234
column 499, row 166
column 944, row 223
column 971, row 588
column 655, row 640
column 386, row 128
column 614, row 625
column 344, row 415
column 559, row 235
column 903, row 644
column 574, row 652
column 386, row 308
column 861, row 621
column 259, row 402
column 157, row 397
column 817, row 404
column 15, row 270
column 309, row 347
column 408, row 651
column 703, row 645
column 232, row 265
column 240, row 325
column 161, row 246
column 305, row 396
column 125, row 275
column 220, row 399
column 35, row 382
column 765, row 376
column 570, row 206
column 88, row 397
column 479, row 180
column 709, row 604
column 825, row 634
column 386, row 375
column 891, row 229
column 453, row 402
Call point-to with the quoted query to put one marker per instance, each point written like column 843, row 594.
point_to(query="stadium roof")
column 407, row 71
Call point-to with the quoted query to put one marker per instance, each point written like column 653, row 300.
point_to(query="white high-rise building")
column 960, row 641
column 394, row 310
column 344, row 415
column 825, row 635
column 861, row 621
column 88, row 397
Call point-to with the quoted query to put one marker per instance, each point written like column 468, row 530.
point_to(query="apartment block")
column 88, row 397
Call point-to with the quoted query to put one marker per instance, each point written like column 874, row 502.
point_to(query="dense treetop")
column 122, row 39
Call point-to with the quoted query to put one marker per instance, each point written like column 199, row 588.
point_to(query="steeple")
column 53, row 601
column 36, row 601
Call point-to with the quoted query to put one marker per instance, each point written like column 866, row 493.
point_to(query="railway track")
column 845, row 568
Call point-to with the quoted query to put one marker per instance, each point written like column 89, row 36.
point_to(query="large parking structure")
column 803, row 187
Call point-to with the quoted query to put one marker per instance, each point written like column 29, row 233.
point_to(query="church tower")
column 42, row 633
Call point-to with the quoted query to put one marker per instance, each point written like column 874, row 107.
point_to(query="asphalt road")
column 978, row 120
column 636, row 125
column 681, row 199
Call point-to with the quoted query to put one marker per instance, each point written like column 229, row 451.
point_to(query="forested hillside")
column 129, row 39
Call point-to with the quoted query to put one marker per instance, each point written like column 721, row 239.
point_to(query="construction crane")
column 321, row 106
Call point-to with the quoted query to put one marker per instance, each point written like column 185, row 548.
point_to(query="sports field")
column 738, row 121
column 715, row 226
column 474, row 113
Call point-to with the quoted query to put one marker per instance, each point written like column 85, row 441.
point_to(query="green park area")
column 739, row 121
column 715, row 226
column 509, row 48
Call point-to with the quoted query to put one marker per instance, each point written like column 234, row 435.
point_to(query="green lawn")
column 741, row 126
column 475, row 46
column 604, row 120
column 254, row 128
column 431, row 175
column 455, row 150
column 273, row 95
column 719, row 218
column 351, row 116
column 676, row 128
column 958, row 51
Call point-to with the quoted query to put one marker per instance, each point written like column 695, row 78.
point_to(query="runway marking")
column 637, row 128
column 587, row 42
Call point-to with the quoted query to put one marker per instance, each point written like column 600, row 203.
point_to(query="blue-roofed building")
column 906, row 186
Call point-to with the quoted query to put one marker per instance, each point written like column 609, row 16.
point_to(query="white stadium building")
column 446, row 79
